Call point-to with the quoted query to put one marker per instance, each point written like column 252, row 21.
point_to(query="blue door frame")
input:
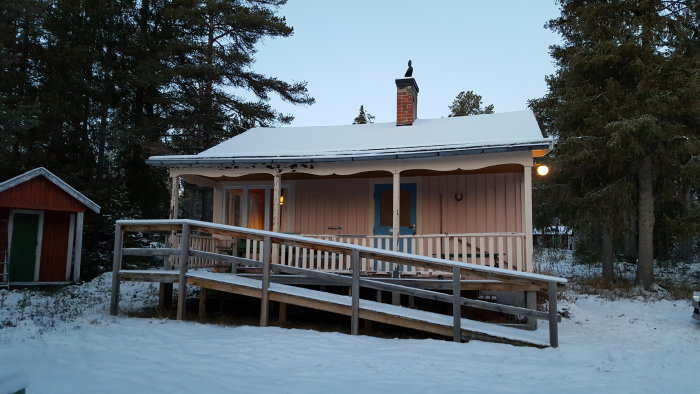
column 386, row 230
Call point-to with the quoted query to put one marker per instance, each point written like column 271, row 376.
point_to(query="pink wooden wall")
column 489, row 203
column 319, row 204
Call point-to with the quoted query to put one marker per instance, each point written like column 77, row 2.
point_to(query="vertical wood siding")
column 324, row 203
column 490, row 203
column 39, row 193
column 54, row 247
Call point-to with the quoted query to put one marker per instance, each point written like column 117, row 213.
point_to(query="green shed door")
column 25, row 229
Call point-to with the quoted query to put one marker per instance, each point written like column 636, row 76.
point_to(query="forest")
column 90, row 89
column 624, row 108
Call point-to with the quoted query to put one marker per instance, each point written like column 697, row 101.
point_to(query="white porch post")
column 78, row 251
column 165, row 293
column 527, row 215
column 174, row 205
column 396, row 206
column 174, row 196
column 217, row 209
column 276, row 209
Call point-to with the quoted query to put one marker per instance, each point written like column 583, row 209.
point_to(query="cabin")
column 455, row 188
column 41, row 228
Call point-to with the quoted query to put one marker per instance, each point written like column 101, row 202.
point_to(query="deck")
column 277, row 282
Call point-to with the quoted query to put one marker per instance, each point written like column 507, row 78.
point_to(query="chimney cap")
column 406, row 82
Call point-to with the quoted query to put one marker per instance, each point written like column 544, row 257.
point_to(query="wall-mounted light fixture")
column 542, row 170
column 281, row 200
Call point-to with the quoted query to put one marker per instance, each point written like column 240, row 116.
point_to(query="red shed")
column 41, row 228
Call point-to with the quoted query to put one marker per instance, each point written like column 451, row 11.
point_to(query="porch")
column 474, row 209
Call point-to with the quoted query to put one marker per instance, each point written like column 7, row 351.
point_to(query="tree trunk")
column 630, row 235
column 607, row 254
column 645, row 262
column 685, row 247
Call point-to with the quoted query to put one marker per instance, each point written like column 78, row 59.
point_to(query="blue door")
column 383, row 218
column 383, row 204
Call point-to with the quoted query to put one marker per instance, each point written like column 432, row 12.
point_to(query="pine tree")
column 363, row 117
column 619, row 105
column 91, row 89
column 211, row 59
column 20, row 49
column 468, row 103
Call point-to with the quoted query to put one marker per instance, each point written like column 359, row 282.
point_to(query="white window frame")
column 269, row 189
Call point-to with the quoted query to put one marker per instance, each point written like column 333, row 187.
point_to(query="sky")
column 350, row 53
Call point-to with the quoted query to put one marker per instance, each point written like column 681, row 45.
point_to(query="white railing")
column 502, row 250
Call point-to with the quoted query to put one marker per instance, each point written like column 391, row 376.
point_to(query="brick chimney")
column 406, row 101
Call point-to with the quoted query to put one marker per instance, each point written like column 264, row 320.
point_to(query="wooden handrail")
column 548, row 283
column 162, row 225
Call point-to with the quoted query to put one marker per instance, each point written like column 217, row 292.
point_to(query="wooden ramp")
column 369, row 310
column 271, row 261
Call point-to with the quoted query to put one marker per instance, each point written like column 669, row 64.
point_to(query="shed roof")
column 41, row 171
column 426, row 137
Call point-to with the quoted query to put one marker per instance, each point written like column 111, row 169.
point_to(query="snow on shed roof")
column 41, row 171
column 459, row 135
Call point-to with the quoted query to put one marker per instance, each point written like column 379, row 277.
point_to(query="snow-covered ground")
column 66, row 342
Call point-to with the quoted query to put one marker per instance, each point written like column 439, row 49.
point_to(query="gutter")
column 165, row 162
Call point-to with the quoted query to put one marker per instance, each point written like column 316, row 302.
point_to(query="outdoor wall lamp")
column 542, row 170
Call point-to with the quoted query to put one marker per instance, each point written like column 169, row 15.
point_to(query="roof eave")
column 193, row 161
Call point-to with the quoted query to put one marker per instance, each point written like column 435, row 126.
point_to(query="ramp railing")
column 272, row 244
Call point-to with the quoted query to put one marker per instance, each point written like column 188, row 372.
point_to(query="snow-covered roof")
column 426, row 137
column 41, row 171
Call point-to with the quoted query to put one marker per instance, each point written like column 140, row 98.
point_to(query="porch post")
column 276, row 209
column 174, row 196
column 527, row 215
column 395, row 209
column 165, row 293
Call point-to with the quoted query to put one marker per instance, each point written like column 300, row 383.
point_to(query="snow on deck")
column 538, row 338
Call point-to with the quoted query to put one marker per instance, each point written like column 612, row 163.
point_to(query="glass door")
column 252, row 207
